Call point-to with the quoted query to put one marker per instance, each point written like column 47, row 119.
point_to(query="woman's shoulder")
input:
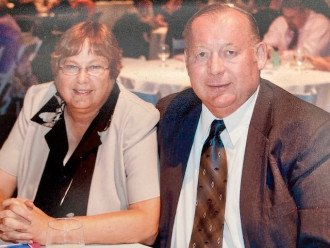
column 39, row 94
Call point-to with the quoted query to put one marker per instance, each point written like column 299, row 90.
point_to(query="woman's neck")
column 79, row 117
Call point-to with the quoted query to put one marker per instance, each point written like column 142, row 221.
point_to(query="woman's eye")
column 71, row 67
column 95, row 67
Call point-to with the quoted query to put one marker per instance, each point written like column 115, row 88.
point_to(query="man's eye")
column 202, row 55
column 230, row 53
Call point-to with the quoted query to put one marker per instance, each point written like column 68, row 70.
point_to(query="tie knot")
column 217, row 127
column 213, row 139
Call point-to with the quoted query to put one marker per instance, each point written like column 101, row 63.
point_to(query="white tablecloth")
column 150, row 76
column 117, row 246
column 11, row 245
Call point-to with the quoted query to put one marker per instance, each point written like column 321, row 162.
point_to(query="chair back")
column 308, row 97
column 147, row 96
column 178, row 46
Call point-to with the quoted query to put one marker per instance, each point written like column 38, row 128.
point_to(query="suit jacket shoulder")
column 286, row 162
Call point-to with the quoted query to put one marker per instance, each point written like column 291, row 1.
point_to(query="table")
column 117, row 246
column 150, row 76
column 11, row 245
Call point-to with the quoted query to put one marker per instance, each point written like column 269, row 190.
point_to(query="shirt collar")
column 235, row 123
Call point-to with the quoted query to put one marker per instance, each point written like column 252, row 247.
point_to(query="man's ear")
column 261, row 54
column 185, row 55
column 185, row 52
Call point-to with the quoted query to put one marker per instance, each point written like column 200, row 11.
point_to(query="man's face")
column 295, row 17
column 223, row 61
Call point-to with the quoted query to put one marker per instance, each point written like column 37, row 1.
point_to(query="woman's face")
column 84, row 92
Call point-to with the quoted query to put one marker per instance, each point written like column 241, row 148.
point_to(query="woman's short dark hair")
column 101, row 42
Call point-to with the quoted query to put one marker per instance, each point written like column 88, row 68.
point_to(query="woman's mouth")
column 82, row 92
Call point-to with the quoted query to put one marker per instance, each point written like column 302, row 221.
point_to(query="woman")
column 79, row 148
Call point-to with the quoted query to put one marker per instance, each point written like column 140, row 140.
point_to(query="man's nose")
column 216, row 64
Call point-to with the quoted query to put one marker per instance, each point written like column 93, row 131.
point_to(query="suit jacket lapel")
column 255, row 166
column 180, row 119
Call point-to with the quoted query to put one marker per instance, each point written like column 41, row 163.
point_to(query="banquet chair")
column 308, row 97
column 177, row 46
column 150, row 97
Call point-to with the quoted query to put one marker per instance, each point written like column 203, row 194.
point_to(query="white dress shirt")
column 234, row 139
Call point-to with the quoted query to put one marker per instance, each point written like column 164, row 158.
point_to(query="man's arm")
column 311, row 189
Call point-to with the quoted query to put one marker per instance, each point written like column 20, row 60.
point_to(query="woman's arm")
column 7, row 186
column 138, row 224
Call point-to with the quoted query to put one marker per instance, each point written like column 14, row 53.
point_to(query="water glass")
column 163, row 53
column 65, row 233
column 299, row 56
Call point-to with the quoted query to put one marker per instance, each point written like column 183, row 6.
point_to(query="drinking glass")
column 163, row 53
column 65, row 233
column 299, row 56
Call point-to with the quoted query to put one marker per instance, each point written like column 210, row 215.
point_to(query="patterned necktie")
column 294, row 40
column 211, row 191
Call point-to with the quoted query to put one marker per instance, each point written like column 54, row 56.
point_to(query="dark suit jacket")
column 285, row 187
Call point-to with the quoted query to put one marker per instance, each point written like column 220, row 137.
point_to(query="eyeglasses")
column 92, row 70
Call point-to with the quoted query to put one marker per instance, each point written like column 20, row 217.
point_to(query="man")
column 277, row 146
column 264, row 15
column 299, row 27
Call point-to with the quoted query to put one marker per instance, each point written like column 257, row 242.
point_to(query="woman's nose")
column 82, row 75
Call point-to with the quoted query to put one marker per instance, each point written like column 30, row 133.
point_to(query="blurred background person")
column 178, row 19
column 264, row 15
column 24, row 7
column 319, row 6
column 10, row 38
column 275, row 4
column 163, row 10
column 133, row 29
column 299, row 27
column 81, row 139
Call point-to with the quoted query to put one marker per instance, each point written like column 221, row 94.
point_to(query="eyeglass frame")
column 87, row 69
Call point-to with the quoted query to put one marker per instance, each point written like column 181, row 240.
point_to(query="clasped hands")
column 22, row 222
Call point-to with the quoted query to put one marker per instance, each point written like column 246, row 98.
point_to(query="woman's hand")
column 22, row 221
column 15, row 221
